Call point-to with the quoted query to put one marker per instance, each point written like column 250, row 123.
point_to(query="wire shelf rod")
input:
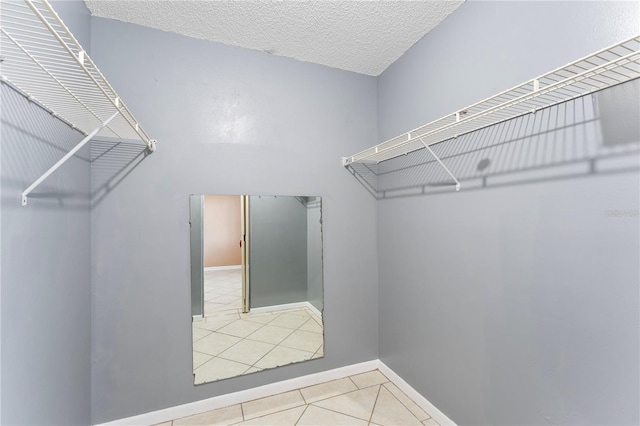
column 48, row 73
column 607, row 67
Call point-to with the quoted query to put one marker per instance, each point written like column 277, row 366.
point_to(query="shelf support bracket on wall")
column 69, row 154
column 44, row 62
column 442, row 164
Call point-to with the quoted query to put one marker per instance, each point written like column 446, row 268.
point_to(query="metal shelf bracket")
column 68, row 155
column 442, row 164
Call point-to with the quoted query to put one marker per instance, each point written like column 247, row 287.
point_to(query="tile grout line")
column 374, row 404
column 303, row 398
column 278, row 411
column 404, row 405
column 301, row 415
column 357, row 389
column 343, row 394
column 344, row 414
column 354, row 383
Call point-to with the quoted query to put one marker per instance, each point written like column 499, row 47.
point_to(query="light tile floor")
column 364, row 399
column 228, row 343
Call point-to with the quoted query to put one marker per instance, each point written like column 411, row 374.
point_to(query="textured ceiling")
column 360, row 36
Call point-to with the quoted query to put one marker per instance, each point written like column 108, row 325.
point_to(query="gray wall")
column 228, row 121
column 515, row 302
column 277, row 250
column 45, row 258
column 314, row 253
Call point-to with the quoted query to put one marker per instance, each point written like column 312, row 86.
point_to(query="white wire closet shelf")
column 42, row 59
column 605, row 68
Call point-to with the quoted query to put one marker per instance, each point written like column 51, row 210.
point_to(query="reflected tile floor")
column 228, row 343
column 363, row 399
column 222, row 292
column 230, row 346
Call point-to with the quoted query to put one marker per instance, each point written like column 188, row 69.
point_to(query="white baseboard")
column 314, row 310
column 226, row 400
column 222, row 268
column 296, row 305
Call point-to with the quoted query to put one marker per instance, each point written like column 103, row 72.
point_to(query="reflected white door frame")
column 244, row 243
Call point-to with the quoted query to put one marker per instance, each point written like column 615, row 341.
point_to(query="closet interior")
column 482, row 262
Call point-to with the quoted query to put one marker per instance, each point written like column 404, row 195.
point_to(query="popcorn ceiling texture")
column 361, row 36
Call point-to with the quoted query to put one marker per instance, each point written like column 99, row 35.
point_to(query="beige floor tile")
column 212, row 307
column 270, row 334
column 260, row 318
column 281, row 418
column 246, row 351
column 215, row 343
column 227, row 298
column 240, row 328
column 303, row 340
column 289, row 321
column 407, row 402
column 220, row 310
column 370, row 378
column 430, row 422
column 358, row 404
column 327, row 390
column 252, row 370
column 218, row 369
column 163, row 424
column 272, row 404
column 214, row 323
column 200, row 358
column 211, row 296
column 319, row 416
column 199, row 333
column 301, row 312
column 282, row 356
column 389, row 411
column 222, row 416
column 311, row 325
column 231, row 315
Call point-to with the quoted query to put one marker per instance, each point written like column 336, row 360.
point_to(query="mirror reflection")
column 256, row 283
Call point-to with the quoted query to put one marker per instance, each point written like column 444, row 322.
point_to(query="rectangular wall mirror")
column 256, row 283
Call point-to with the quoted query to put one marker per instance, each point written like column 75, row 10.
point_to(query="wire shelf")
column 605, row 68
column 43, row 60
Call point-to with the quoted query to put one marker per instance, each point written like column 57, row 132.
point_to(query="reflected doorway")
column 219, row 254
